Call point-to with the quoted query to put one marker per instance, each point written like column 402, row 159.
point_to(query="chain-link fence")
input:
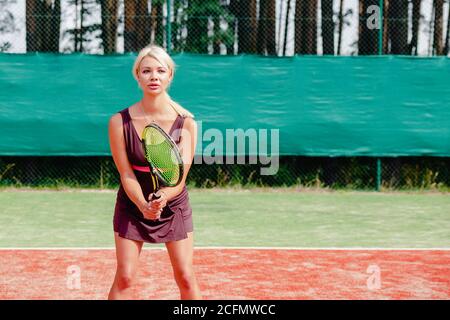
column 364, row 173
column 230, row 27
column 266, row 27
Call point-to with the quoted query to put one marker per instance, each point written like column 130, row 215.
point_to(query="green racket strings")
column 160, row 154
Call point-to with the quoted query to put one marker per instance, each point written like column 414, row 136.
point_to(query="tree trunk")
column 216, row 43
column 385, row 44
column 247, row 27
column 306, row 27
column 430, row 31
column 266, row 28
column 177, row 27
column 32, row 25
column 80, row 31
column 137, row 25
column 157, row 25
column 368, row 36
column 143, row 24
column 76, row 31
column 130, row 26
column 52, row 25
column 109, row 25
column 286, row 26
column 271, row 37
column 245, row 13
column 341, row 24
column 438, row 47
column 447, row 38
column 233, row 8
column 280, row 17
column 327, row 27
column 397, row 33
column 415, row 27
column 43, row 20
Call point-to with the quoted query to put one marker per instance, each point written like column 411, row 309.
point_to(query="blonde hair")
column 158, row 53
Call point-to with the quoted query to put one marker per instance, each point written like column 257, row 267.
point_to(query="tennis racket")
column 163, row 157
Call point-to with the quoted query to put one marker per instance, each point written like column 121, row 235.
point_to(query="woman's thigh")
column 181, row 253
column 127, row 254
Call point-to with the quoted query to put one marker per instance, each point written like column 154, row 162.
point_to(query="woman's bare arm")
column 127, row 176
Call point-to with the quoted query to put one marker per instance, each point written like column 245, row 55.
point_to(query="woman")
column 137, row 219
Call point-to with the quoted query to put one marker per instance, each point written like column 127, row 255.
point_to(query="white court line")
column 237, row 248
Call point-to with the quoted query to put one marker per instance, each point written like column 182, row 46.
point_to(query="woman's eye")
column 162, row 71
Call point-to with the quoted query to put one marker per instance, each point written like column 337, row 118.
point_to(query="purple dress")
column 176, row 218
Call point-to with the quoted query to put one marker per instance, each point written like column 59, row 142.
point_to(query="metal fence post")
column 168, row 28
column 378, row 187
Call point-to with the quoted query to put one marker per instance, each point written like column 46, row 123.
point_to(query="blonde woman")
column 137, row 219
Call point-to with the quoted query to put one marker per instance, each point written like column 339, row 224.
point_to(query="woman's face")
column 153, row 76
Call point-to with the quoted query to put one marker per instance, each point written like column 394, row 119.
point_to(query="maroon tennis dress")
column 176, row 218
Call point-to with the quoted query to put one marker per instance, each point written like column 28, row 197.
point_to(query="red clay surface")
column 234, row 274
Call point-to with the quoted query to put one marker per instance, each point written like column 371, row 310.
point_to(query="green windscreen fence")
column 322, row 106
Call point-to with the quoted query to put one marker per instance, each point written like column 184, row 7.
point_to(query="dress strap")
column 126, row 118
column 177, row 129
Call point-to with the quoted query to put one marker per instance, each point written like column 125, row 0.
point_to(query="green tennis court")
column 282, row 218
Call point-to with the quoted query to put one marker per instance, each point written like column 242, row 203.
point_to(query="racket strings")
column 159, row 152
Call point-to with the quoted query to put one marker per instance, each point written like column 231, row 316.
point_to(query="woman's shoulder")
column 118, row 117
column 189, row 124
column 115, row 119
column 188, row 120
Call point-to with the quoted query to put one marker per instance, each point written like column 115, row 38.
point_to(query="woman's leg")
column 181, row 256
column 127, row 253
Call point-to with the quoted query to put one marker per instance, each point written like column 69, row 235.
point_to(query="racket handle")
column 155, row 197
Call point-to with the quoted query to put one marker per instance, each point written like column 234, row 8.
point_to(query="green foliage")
column 199, row 13
column 297, row 172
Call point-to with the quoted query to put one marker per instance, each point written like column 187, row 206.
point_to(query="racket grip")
column 154, row 197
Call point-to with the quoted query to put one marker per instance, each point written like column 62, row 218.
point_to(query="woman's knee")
column 185, row 278
column 125, row 279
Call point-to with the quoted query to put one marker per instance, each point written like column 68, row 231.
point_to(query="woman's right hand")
column 149, row 212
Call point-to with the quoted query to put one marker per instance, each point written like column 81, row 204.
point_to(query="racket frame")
column 175, row 150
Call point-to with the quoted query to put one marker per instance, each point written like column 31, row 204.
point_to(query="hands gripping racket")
column 163, row 156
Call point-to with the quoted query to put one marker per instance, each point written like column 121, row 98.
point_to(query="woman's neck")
column 155, row 104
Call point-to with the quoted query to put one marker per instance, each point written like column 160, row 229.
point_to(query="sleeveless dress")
column 176, row 218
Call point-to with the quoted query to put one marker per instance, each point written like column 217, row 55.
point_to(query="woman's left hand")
column 159, row 203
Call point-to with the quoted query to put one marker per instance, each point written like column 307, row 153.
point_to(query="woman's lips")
column 153, row 86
